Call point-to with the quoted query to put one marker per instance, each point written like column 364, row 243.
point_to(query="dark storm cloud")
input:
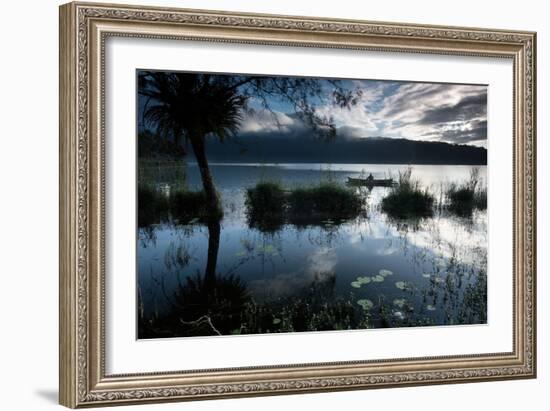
column 467, row 109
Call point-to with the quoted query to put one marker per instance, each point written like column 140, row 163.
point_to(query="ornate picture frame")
column 84, row 29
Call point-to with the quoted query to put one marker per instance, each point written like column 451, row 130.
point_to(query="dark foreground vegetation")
column 226, row 307
column 229, row 309
column 269, row 205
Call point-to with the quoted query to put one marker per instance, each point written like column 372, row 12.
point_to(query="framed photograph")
column 258, row 204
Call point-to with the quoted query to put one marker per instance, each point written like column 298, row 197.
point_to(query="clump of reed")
column 153, row 207
column 157, row 205
column 464, row 198
column 326, row 199
column 269, row 205
column 407, row 199
column 265, row 206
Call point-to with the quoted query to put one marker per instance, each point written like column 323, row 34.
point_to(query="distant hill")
column 377, row 150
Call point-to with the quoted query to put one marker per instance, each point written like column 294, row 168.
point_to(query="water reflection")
column 241, row 277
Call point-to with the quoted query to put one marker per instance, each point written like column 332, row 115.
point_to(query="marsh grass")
column 269, row 205
column 464, row 198
column 265, row 204
column 153, row 207
column 156, row 205
column 155, row 172
column 407, row 199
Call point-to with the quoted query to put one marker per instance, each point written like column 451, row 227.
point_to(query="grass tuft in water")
column 464, row 198
column 269, row 205
column 156, row 206
column 265, row 205
column 407, row 199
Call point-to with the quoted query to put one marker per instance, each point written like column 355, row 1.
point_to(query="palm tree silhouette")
column 194, row 106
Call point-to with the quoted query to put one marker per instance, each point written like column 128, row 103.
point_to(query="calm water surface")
column 437, row 264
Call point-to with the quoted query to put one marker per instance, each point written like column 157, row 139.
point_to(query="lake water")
column 372, row 271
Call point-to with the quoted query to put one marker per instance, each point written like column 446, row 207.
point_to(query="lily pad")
column 402, row 285
column 363, row 280
column 365, row 304
column 377, row 279
column 430, row 307
column 356, row 284
column 276, row 321
column 399, row 302
column 405, row 286
column 426, row 275
column 385, row 273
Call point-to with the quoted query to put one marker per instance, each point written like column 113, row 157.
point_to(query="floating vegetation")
column 385, row 273
column 426, row 275
column 401, row 285
column 404, row 286
column 430, row 307
column 399, row 302
column 366, row 304
column 276, row 321
column 364, row 280
column 356, row 284
column 377, row 279
column 361, row 281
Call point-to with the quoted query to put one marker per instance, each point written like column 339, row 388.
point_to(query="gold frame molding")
column 83, row 30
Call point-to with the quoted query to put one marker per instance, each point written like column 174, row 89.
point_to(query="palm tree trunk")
column 212, row 201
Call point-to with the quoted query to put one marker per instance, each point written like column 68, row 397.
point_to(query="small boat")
column 371, row 182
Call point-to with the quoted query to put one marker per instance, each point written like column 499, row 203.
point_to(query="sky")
column 451, row 113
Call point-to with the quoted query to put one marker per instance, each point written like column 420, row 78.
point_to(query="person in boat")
column 370, row 178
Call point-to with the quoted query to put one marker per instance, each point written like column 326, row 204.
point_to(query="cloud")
column 265, row 121
column 468, row 108
column 474, row 132
column 438, row 112
column 451, row 113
